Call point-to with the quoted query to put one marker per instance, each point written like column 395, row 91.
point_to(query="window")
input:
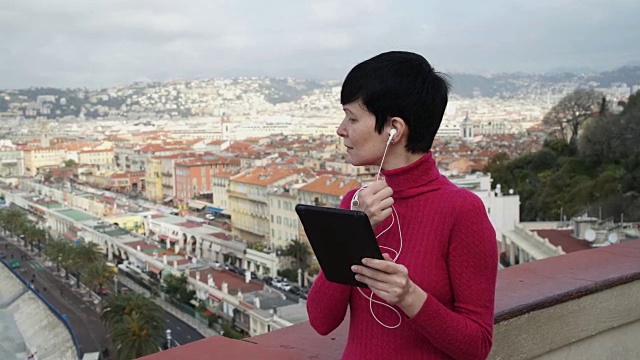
column 271, row 217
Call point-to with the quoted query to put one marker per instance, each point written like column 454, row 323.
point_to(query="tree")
column 299, row 251
column 12, row 220
column 70, row 163
column 55, row 250
column 97, row 274
column 85, row 254
column 566, row 118
column 176, row 288
column 62, row 253
column 135, row 325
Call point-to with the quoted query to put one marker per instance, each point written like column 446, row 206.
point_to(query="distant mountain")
column 286, row 90
column 519, row 84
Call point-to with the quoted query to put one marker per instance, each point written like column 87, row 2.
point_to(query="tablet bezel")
column 339, row 238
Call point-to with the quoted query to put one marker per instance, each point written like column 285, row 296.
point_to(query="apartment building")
column 37, row 158
column 249, row 202
column 194, row 177
column 11, row 162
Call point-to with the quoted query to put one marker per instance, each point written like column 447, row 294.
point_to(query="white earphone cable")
column 394, row 218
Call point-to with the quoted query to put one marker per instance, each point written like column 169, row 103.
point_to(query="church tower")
column 466, row 128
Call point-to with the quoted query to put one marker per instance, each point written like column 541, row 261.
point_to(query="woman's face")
column 364, row 145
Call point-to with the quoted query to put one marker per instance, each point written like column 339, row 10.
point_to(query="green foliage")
column 176, row 287
column 299, row 251
column 230, row 332
column 289, row 274
column 599, row 174
column 135, row 325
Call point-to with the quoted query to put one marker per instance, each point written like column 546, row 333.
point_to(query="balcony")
column 584, row 305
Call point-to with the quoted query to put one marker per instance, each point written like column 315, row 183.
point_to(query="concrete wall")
column 603, row 325
column 41, row 329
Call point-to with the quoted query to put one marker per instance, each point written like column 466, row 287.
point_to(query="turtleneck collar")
column 413, row 176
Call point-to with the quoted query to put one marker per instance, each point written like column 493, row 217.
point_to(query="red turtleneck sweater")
column 449, row 247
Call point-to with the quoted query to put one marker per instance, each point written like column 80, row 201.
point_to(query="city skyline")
column 103, row 44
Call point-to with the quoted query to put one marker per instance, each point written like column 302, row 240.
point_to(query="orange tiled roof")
column 331, row 185
column 265, row 176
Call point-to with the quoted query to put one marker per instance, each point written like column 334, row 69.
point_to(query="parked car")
column 3, row 255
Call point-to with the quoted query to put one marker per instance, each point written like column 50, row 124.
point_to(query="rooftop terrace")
column 582, row 305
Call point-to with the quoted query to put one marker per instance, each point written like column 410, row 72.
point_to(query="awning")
column 155, row 270
column 214, row 297
column 173, row 240
column 167, row 199
column 69, row 236
column 207, row 313
column 215, row 209
column 197, row 205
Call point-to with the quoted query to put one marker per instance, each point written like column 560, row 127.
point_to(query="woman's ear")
column 400, row 126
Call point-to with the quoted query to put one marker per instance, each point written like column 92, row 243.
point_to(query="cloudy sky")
column 96, row 43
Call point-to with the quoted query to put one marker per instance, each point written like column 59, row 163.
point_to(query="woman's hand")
column 391, row 282
column 375, row 201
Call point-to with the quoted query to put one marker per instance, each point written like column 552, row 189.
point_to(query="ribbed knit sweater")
column 450, row 250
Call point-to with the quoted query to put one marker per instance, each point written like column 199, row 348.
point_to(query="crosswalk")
column 36, row 265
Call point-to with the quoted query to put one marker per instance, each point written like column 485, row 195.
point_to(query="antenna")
column 613, row 238
column 590, row 235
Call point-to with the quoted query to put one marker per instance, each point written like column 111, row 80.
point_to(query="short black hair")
column 400, row 84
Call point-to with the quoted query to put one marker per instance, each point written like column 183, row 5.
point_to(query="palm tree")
column 62, row 253
column 85, row 254
column 97, row 274
column 299, row 251
column 54, row 251
column 135, row 325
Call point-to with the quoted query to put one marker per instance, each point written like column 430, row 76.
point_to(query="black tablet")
column 339, row 238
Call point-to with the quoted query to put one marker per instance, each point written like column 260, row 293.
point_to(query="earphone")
column 392, row 133
column 394, row 218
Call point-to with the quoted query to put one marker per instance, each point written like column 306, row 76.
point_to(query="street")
column 181, row 332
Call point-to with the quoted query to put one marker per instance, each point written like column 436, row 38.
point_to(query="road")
column 181, row 332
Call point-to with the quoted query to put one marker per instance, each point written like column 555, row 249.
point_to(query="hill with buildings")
column 212, row 97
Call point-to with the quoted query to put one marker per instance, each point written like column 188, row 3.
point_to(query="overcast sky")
column 96, row 43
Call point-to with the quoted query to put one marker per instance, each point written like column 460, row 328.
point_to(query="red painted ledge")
column 520, row 289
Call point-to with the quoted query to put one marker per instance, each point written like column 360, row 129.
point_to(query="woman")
column 432, row 297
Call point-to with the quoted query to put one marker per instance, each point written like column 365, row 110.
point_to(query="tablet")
column 339, row 238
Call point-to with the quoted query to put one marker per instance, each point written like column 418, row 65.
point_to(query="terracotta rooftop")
column 331, row 185
column 265, row 176
column 190, row 224
column 234, row 282
column 565, row 239
column 143, row 245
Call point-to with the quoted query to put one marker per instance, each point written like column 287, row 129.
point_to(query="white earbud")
column 392, row 133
